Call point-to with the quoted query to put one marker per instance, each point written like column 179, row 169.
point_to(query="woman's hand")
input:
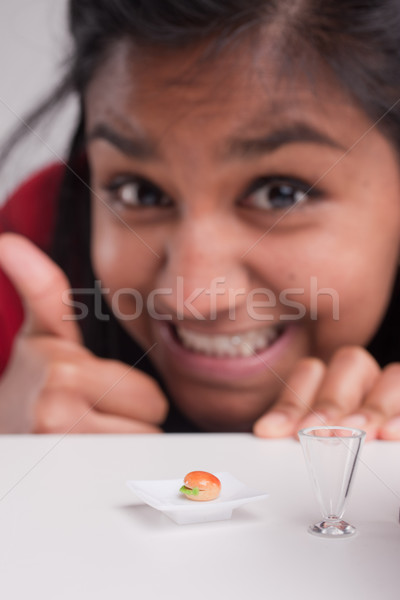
column 351, row 391
column 52, row 384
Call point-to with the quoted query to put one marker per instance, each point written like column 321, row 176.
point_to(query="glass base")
column 332, row 529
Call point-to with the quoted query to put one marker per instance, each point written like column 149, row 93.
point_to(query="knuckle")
column 328, row 406
column 354, row 354
column 160, row 404
column 59, row 278
column 162, row 412
column 62, row 374
column 307, row 371
column 147, row 387
column 375, row 413
column 310, row 365
column 155, row 390
column 49, row 415
column 392, row 371
column 287, row 402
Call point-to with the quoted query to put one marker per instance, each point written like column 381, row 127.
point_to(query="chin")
column 219, row 410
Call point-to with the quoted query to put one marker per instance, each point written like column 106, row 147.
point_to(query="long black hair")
column 357, row 40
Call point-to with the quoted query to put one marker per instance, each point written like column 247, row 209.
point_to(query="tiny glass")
column 331, row 455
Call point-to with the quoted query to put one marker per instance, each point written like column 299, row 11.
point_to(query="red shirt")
column 29, row 212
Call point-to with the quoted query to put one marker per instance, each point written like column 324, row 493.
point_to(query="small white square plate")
column 164, row 495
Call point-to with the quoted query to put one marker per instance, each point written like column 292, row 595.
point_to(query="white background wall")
column 33, row 44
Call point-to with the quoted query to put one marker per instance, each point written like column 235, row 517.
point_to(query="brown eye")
column 137, row 193
column 277, row 194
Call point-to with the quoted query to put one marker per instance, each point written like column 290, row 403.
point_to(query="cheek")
column 352, row 297
column 340, row 279
column 359, row 262
column 122, row 260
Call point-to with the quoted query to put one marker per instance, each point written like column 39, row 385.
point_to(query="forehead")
column 242, row 88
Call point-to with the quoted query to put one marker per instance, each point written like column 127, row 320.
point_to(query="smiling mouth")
column 241, row 345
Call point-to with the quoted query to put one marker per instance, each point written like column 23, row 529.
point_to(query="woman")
column 233, row 188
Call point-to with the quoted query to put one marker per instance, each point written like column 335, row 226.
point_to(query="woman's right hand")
column 52, row 383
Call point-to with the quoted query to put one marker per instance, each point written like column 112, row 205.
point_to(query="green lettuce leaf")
column 189, row 491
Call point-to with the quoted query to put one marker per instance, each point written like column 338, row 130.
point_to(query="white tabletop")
column 70, row 528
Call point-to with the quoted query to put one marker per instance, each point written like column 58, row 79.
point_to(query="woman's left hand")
column 351, row 391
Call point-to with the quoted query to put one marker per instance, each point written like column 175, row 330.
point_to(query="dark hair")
column 358, row 40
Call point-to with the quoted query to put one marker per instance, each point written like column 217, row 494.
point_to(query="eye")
column 132, row 192
column 278, row 193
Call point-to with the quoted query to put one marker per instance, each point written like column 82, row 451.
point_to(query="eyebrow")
column 138, row 148
column 291, row 134
column 143, row 149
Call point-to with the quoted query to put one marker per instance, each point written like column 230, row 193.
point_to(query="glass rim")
column 357, row 433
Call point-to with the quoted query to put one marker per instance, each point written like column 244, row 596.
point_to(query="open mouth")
column 226, row 357
column 241, row 345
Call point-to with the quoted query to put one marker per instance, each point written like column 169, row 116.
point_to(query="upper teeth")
column 243, row 344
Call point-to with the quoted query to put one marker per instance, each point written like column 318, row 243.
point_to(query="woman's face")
column 240, row 222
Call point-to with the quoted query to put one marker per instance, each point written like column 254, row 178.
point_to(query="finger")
column 349, row 377
column 62, row 413
column 110, row 387
column 296, row 400
column 379, row 415
column 42, row 285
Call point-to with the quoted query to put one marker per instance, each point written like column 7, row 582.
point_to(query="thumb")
column 42, row 286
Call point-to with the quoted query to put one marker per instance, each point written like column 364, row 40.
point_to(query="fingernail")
column 272, row 424
column 354, row 421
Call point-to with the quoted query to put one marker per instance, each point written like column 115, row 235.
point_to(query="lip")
column 224, row 368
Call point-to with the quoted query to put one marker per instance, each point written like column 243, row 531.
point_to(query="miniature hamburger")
column 201, row 486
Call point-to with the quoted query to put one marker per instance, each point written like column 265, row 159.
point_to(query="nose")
column 203, row 270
